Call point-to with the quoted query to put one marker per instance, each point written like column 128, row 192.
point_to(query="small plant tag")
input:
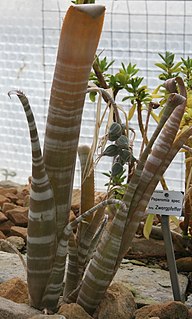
column 164, row 202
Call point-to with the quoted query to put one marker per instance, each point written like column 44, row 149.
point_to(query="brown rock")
column 20, row 202
column 3, row 199
column 18, row 215
column 2, row 236
column 19, row 231
column 169, row 310
column 118, row 303
column 13, row 197
column 7, row 206
column 147, row 247
column 184, row 264
column 10, row 190
column 73, row 311
column 14, row 289
column 48, row 317
column 3, row 218
column 12, row 310
column 6, row 227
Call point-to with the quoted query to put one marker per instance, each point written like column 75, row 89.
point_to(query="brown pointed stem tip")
column 93, row 10
column 175, row 99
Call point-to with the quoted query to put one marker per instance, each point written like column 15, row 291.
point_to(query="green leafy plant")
column 170, row 68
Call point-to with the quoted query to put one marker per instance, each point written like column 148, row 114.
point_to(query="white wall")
column 134, row 31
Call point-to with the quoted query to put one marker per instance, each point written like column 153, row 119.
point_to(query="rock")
column 56, row 316
column 6, row 227
column 184, row 264
column 147, row 247
column 3, row 199
column 3, row 218
column 11, row 267
column 2, row 236
column 7, row 206
column 118, row 303
column 14, row 289
column 18, row 215
column 149, row 291
column 19, row 231
column 13, row 197
column 16, row 241
column 73, row 311
column 169, row 310
column 12, row 310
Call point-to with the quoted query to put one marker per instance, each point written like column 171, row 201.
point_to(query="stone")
column 11, row 267
column 19, row 231
column 3, row 199
column 7, row 206
column 168, row 310
column 157, row 289
column 2, row 236
column 3, row 218
column 8, row 190
column 13, row 197
column 12, row 310
column 14, row 289
column 73, row 311
column 18, row 215
column 56, row 316
column 17, row 241
column 184, row 264
column 118, row 303
column 6, row 227
column 147, row 247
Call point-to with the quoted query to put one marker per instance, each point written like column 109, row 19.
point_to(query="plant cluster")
column 95, row 251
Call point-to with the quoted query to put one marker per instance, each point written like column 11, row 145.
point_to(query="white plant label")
column 165, row 202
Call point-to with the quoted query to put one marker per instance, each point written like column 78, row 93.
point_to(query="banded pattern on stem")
column 136, row 198
column 54, row 286
column 41, row 239
column 78, row 42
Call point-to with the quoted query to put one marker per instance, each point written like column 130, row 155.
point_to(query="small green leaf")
column 92, row 96
column 162, row 66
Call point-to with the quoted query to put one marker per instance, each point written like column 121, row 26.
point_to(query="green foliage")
column 103, row 66
column 137, row 93
column 121, row 79
column 170, row 68
column 117, row 184
column 186, row 69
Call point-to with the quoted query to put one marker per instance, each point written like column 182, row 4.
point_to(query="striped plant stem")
column 105, row 263
column 41, row 239
column 54, row 286
column 87, row 201
column 78, row 42
column 153, row 164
